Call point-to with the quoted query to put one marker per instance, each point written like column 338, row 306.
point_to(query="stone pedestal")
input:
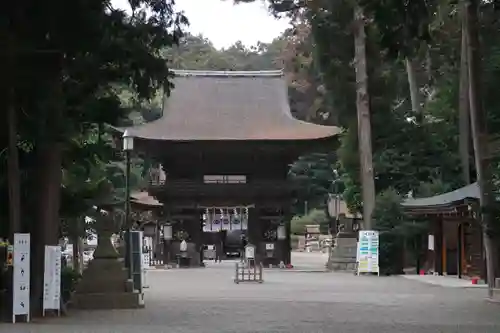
column 105, row 283
column 343, row 256
column 496, row 290
column 192, row 253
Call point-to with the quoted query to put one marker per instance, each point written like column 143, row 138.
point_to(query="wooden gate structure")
column 235, row 127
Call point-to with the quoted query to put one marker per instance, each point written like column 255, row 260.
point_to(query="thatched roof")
column 214, row 105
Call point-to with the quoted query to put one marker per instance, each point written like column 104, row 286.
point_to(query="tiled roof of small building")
column 449, row 198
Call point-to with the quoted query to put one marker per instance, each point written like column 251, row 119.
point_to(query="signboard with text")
column 21, row 277
column 52, row 279
column 368, row 252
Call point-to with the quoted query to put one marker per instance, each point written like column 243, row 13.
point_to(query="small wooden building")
column 225, row 142
column 454, row 245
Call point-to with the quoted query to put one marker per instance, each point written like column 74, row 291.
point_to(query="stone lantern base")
column 343, row 255
column 105, row 285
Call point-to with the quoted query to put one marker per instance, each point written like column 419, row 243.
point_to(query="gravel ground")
column 207, row 301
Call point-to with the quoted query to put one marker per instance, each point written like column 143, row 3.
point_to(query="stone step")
column 496, row 295
column 105, row 283
column 109, row 300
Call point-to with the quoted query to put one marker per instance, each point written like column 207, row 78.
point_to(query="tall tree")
column 364, row 117
column 480, row 138
column 64, row 83
column 464, row 104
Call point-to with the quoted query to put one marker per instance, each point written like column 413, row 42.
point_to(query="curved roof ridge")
column 288, row 112
column 211, row 73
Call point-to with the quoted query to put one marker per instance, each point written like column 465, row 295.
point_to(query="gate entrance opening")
column 225, row 231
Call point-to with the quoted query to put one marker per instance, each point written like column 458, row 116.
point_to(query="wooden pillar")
column 254, row 231
column 443, row 249
column 287, row 246
column 438, row 262
column 462, row 263
column 198, row 227
column 194, row 228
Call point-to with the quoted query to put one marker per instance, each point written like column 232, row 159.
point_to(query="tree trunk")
column 49, row 167
column 463, row 109
column 13, row 171
column 77, row 242
column 364, row 122
column 480, row 139
column 413, row 85
column 50, row 177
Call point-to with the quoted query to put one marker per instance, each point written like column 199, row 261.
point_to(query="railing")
column 151, row 259
column 246, row 272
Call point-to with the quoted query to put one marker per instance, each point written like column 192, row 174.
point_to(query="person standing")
column 244, row 243
column 219, row 248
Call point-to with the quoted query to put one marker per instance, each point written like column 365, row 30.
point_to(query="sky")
column 224, row 23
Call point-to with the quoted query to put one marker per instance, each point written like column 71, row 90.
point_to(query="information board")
column 137, row 263
column 21, row 277
column 368, row 251
column 52, row 279
column 249, row 252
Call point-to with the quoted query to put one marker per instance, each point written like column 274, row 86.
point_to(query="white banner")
column 368, row 249
column 21, row 277
column 52, row 279
column 430, row 242
column 218, row 222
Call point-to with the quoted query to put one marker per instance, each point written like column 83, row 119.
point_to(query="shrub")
column 315, row 217
column 388, row 218
column 69, row 279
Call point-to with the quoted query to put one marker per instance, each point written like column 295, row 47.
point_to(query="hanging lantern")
column 281, row 232
column 167, row 231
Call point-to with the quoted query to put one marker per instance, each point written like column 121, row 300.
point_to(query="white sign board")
column 145, row 267
column 52, row 279
column 430, row 242
column 249, row 252
column 21, row 277
column 368, row 250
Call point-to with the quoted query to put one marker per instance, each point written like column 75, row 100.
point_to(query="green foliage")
column 66, row 84
column 317, row 176
column 403, row 25
column 314, row 217
column 429, row 189
column 197, row 52
column 389, row 218
column 396, row 231
column 69, row 280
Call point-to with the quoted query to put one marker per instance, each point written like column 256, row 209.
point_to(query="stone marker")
column 105, row 283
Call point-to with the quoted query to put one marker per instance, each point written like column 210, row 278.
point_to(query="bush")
column 69, row 279
column 315, row 217
column 388, row 218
